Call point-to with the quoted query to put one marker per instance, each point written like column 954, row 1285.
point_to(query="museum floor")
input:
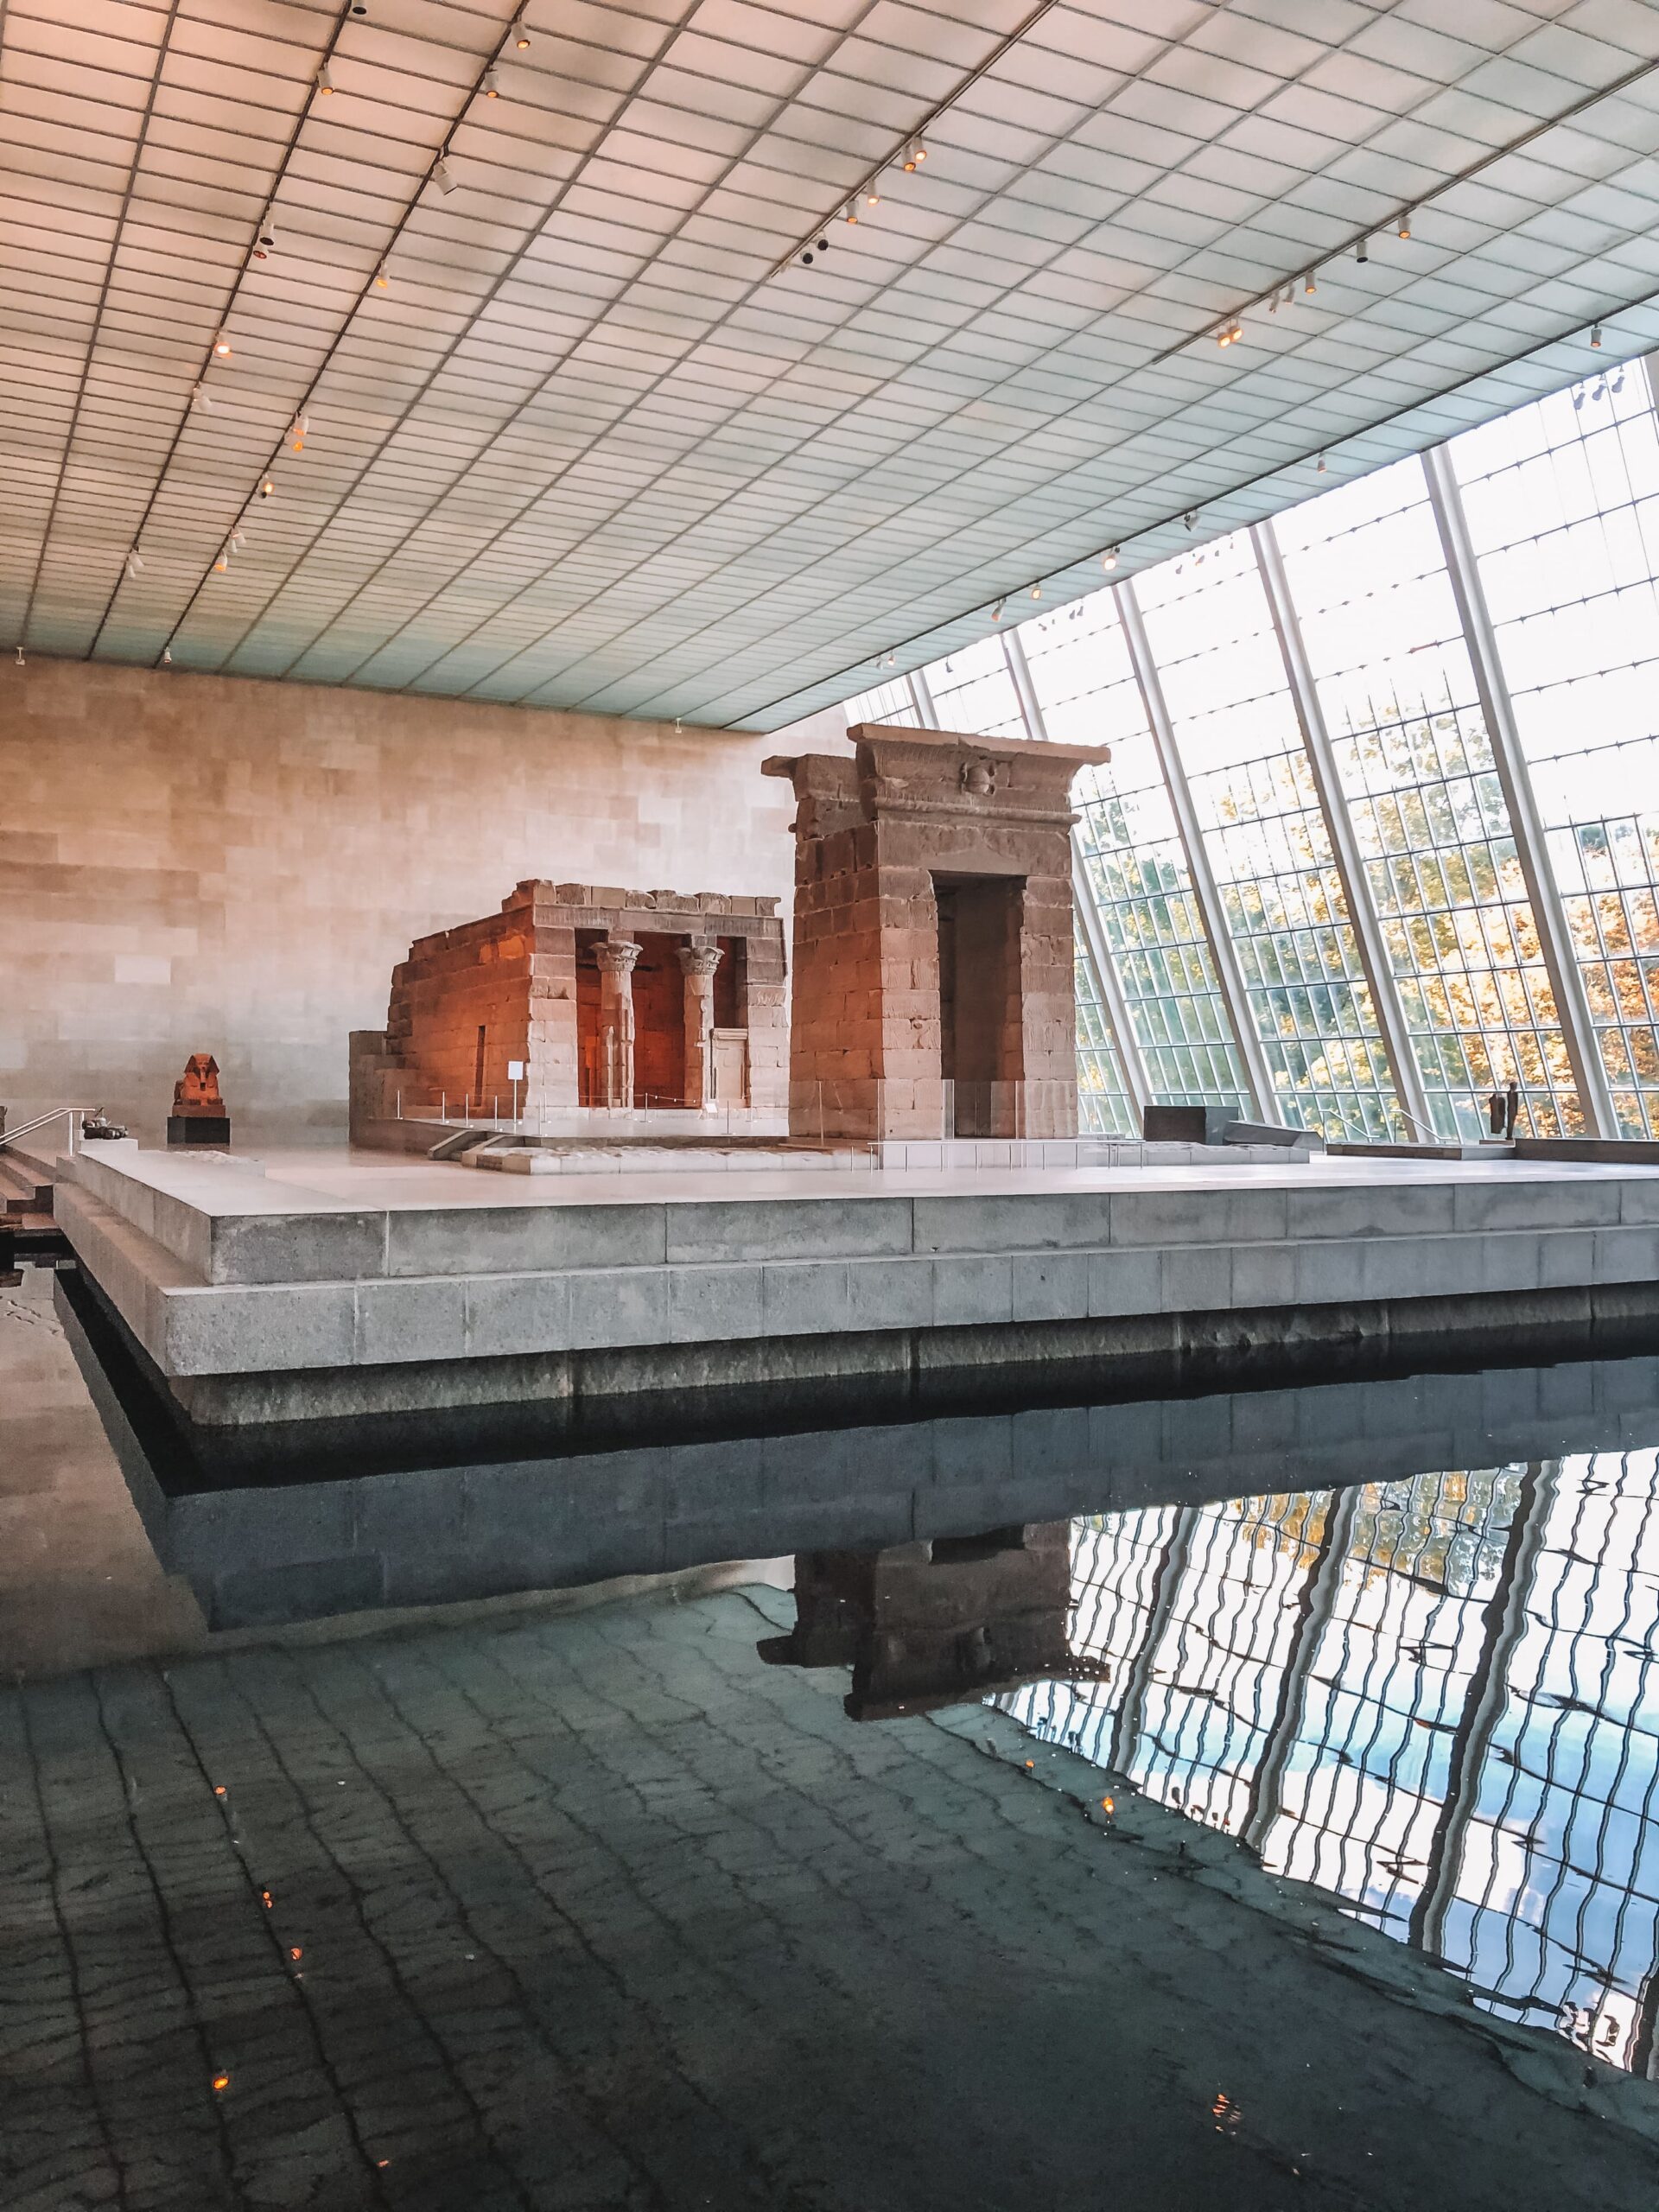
column 570, row 1901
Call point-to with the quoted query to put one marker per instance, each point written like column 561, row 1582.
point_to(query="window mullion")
column 1549, row 914
column 1229, row 976
column 1344, row 847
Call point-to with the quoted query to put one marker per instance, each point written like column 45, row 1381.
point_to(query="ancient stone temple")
column 578, row 998
column 933, row 988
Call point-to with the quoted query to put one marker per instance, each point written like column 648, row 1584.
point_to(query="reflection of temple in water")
column 1436, row 1697
column 933, row 1624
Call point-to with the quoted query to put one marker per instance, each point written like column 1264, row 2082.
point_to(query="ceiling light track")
column 926, row 642
column 1229, row 331
column 911, row 151
column 292, row 443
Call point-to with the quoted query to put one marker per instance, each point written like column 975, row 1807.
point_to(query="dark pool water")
column 1437, row 1697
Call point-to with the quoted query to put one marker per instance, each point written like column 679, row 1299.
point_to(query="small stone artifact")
column 97, row 1124
column 198, row 1115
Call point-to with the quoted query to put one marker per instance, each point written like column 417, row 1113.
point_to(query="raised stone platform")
column 320, row 1284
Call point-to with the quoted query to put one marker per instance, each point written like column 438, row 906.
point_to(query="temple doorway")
column 980, row 1025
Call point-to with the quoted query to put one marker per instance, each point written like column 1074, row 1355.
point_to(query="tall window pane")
column 1240, row 741
column 1132, row 853
column 972, row 690
column 888, row 703
column 1382, row 630
column 1104, row 1106
column 1563, row 499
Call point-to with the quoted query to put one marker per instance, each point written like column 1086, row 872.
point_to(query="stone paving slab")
column 598, row 1912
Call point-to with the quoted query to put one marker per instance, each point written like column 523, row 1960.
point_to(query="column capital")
column 616, row 956
column 699, row 959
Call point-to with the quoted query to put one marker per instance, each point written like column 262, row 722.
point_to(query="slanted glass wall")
column 1236, row 728
column 1562, row 504
column 1368, row 578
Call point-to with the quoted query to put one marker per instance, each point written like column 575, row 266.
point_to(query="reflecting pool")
column 1434, row 1696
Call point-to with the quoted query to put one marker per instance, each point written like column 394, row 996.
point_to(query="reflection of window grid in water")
column 1116, row 1563
column 1389, row 1682
column 1217, row 1670
column 1563, row 505
column 1440, row 858
column 1104, row 1106
column 1549, row 1879
column 1137, row 873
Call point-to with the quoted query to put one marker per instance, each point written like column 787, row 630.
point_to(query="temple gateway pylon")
column 933, row 990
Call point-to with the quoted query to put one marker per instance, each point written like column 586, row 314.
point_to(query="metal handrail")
column 76, row 1114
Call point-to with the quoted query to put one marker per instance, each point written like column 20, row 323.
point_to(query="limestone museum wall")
column 198, row 863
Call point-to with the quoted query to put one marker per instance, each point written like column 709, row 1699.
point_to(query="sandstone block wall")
column 216, row 864
column 527, row 977
column 915, row 824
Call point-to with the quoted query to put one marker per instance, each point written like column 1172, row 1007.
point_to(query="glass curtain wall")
column 1381, row 627
column 1562, row 500
column 1224, row 681
column 1086, row 692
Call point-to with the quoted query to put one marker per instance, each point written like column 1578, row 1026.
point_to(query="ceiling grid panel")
column 589, row 445
column 603, row 700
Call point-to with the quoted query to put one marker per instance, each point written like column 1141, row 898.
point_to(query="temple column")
column 697, row 964
column 616, row 960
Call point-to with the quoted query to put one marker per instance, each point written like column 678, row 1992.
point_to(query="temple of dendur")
column 927, row 1207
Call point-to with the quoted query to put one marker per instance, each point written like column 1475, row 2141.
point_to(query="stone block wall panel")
column 219, row 864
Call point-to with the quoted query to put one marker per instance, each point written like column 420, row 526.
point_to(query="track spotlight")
column 1595, row 335
column 1405, row 223
column 1321, row 467
column 265, row 244
column 297, row 430
column 223, row 563
column 200, row 402
column 1036, row 591
column 996, row 612
column 382, row 278
column 222, row 346
column 1190, row 518
column 492, row 84
column 1109, row 558
column 442, row 177
column 1309, row 287
column 167, row 655
column 916, row 155
column 1363, row 250
column 134, row 565
column 238, row 541
column 325, row 80
column 520, row 35
column 267, row 488
column 872, row 199
column 21, row 663
column 806, row 259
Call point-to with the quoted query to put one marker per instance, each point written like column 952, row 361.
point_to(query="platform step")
column 22, row 1190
